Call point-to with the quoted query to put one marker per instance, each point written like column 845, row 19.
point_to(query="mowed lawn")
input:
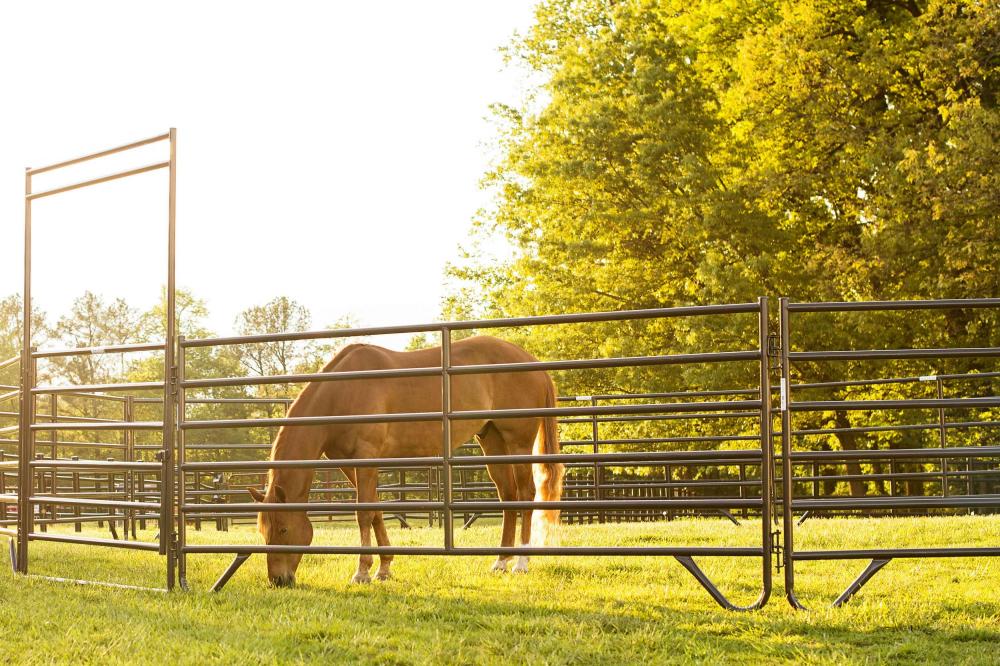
column 566, row 610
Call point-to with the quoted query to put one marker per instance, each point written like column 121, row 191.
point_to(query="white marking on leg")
column 500, row 566
column 522, row 564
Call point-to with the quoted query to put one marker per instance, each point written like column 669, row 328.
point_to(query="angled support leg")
column 228, row 573
column 688, row 563
column 729, row 515
column 802, row 519
column 873, row 568
column 473, row 518
column 13, row 555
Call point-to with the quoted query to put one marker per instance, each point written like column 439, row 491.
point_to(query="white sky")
column 327, row 151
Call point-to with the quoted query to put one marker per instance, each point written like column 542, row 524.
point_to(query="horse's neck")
column 301, row 443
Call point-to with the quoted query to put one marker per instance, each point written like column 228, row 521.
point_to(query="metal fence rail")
column 879, row 557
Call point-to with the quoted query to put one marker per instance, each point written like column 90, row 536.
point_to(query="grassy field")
column 566, row 610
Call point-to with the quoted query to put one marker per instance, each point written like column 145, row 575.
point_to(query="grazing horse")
column 511, row 436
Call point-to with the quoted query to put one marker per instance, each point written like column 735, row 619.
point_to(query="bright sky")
column 330, row 152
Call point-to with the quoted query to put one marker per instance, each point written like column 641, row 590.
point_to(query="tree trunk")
column 848, row 442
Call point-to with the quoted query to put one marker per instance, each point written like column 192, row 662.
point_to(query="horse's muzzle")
column 286, row 580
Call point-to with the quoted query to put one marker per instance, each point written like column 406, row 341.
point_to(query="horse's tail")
column 548, row 476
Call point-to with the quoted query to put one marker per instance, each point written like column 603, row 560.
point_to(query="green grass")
column 567, row 610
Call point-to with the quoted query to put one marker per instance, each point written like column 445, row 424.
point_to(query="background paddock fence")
column 152, row 464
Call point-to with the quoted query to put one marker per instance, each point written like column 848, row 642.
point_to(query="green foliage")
column 696, row 153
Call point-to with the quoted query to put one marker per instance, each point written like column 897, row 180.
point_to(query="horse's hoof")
column 522, row 566
column 361, row 578
column 499, row 568
column 383, row 575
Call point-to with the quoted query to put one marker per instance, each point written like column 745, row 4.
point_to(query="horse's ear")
column 256, row 494
column 279, row 492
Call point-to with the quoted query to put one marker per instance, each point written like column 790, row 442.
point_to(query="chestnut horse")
column 515, row 436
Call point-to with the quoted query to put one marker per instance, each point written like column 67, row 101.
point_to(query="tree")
column 682, row 153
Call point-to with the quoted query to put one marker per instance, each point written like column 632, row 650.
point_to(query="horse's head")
column 282, row 528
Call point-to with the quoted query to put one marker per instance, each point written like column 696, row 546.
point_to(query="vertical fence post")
column 943, row 437
column 181, row 474
column 27, row 403
column 595, row 435
column 129, row 408
column 449, row 528
column 787, row 485
column 767, row 453
column 167, row 499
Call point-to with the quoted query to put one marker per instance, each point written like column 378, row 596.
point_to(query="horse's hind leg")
column 382, row 538
column 525, row 493
column 503, row 477
column 367, row 492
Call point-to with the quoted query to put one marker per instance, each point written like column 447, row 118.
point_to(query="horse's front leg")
column 367, row 492
column 382, row 537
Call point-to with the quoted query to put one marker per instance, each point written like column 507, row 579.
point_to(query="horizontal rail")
column 79, row 501
column 893, row 553
column 96, row 464
column 652, row 457
column 9, row 362
column 93, row 388
column 93, row 351
column 865, row 503
column 103, row 153
column 869, row 354
column 473, row 415
column 92, row 541
column 915, row 403
column 703, row 551
column 860, row 306
column 587, row 364
column 579, row 318
column 935, row 453
column 97, row 181
column 113, row 425
column 458, row 507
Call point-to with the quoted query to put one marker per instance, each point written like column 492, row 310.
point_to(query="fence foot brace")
column 688, row 563
column 228, row 573
column 873, row 568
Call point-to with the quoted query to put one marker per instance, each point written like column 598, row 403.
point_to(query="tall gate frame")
column 173, row 507
column 26, row 500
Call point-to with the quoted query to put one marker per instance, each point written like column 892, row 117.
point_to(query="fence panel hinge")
column 776, row 548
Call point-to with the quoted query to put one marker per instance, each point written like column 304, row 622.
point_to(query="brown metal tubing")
column 26, row 437
column 112, row 425
column 311, row 377
column 870, row 354
column 859, row 306
column 181, row 444
column 622, row 362
column 894, row 553
column 704, row 551
column 80, row 501
column 715, row 456
column 899, row 428
column 91, row 541
column 9, row 362
column 97, row 181
column 107, row 349
column 916, row 403
column 580, row 318
column 103, row 153
column 446, row 416
column 787, row 480
column 96, row 388
column 864, row 503
column 313, row 420
column 954, row 452
column 668, row 407
column 341, row 507
column 94, row 464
